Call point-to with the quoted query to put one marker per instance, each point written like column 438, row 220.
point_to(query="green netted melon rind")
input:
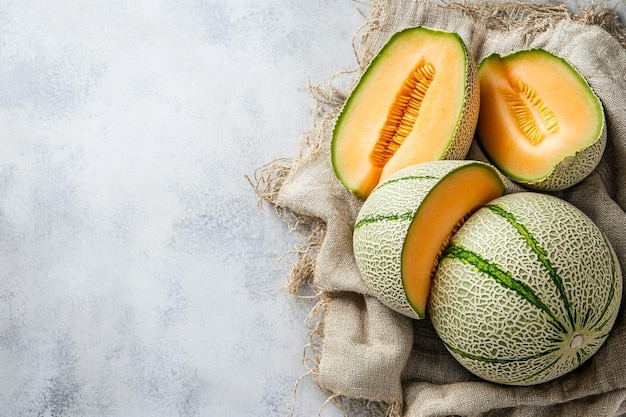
column 527, row 290
column 382, row 225
column 468, row 119
column 572, row 169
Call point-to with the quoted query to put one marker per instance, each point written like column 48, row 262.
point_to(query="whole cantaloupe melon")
column 526, row 291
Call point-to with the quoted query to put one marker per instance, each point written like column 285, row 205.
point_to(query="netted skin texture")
column 464, row 134
column 527, row 291
column 383, row 223
column 573, row 169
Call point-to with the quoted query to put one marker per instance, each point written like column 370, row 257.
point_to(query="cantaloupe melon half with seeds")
column 408, row 219
column 540, row 122
column 527, row 290
column 417, row 101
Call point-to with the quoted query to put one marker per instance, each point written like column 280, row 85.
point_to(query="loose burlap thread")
column 374, row 361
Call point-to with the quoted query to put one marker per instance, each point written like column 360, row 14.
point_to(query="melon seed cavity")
column 534, row 118
column 403, row 114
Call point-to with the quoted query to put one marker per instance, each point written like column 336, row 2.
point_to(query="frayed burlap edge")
column 268, row 179
column 535, row 18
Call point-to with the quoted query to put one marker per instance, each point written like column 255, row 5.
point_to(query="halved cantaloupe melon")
column 540, row 122
column 408, row 219
column 417, row 101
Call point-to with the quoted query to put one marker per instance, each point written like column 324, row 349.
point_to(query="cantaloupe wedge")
column 417, row 101
column 540, row 122
column 409, row 218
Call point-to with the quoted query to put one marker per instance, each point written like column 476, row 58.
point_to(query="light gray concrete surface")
column 137, row 275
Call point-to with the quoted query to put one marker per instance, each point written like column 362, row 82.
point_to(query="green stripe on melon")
column 392, row 233
column 527, row 290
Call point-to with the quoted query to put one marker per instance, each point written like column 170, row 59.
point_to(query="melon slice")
column 417, row 101
column 408, row 219
column 527, row 290
column 540, row 122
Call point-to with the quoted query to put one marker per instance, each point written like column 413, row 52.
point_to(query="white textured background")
column 137, row 275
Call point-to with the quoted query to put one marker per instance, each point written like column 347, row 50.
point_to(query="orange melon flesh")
column 371, row 106
column 535, row 110
column 447, row 205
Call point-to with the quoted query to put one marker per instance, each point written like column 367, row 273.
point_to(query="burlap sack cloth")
column 374, row 361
